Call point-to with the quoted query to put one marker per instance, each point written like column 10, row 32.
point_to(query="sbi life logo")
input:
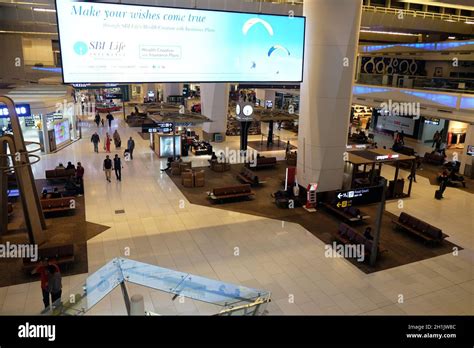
column 80, row 48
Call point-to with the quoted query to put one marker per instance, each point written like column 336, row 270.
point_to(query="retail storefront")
column 104, row 98
column 47, row 115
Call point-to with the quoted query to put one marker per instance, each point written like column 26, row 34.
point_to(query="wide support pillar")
column 171, row 89
column 332, row 35
column 214, row 105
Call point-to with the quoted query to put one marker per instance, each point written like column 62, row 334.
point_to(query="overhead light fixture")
column 26, row 32
column 450, row 20
column 43, row 10
column 469, row 22
column 452, row 37
column 388, row 33
column 29, row 3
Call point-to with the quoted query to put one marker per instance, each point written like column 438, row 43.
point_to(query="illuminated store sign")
column 21, row 110
column 386, row 157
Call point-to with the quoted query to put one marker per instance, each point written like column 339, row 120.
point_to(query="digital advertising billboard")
column 62, row 131
column 121, row 43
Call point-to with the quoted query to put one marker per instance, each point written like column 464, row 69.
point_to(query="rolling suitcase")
column 438, row 194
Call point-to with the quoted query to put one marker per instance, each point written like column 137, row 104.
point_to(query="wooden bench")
column 222, row 193
column 404, row 150
column 219, row 167
column 248, row 177
column 433, row 158
column 419, row 228
column 349, row 236
column 349, row 214
column 56, row 174
column 51, row 205
column 179, row 167
column 60, row 255
column 263, row 162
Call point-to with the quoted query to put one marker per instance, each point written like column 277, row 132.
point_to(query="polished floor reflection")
column 160, row 227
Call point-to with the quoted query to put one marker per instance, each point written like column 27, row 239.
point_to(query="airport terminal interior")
column 348, row 191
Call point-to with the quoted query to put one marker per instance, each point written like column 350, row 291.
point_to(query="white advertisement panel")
column 396, row 123
column 103, row 42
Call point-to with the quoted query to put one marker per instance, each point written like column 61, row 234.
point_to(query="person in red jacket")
column 42, row 269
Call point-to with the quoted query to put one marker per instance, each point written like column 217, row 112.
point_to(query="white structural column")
column 171, row 89
column 214, row 104
column 466, row 160
column 332, row 35
column 265, row 94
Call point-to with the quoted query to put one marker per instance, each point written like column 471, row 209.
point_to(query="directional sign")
column 361, row 196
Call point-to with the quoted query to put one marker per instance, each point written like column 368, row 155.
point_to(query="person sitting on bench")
column 368, row 234
column 56, row 193
column 44, row 194
column 171, row 160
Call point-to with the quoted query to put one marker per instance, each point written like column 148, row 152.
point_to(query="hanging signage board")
column 361, row 196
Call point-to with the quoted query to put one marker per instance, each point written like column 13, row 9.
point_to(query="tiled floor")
column 160, row 227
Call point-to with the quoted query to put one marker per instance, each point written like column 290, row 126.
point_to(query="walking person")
column 436, row 136
column 97, row 119
column 80, row 178
column 107, row 142
column 110, row 118
column 54, row 283
column 118, row 167
column 95, row 139
column 131, row 147
column 102, row 122
column 117, row 140
column 43, row 272
column 443, row 183
column 107, row 166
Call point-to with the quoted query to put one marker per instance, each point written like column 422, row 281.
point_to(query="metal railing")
column 455, row 85
column 418, row 14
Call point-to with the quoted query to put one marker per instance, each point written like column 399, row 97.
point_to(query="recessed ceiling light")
column 452, row 37
column 388, row 33
column 43, row 10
